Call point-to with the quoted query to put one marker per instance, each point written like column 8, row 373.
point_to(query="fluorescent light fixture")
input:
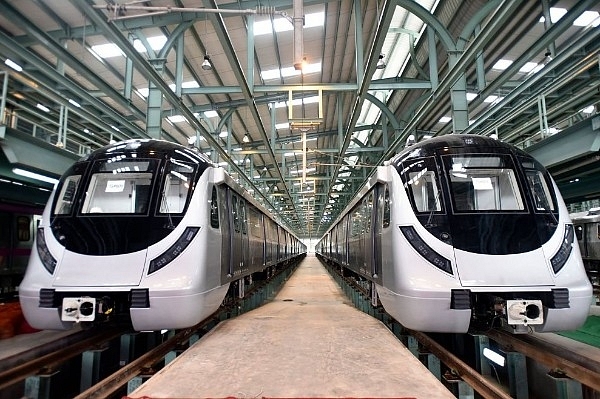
column 528, row 67
column 211, row 114
column 494, row 357
column 445, row 119
column 13, row 65
column 298, row 101
column 588, row 110
column 191, row 84
column 555, row 14
column 493, row 99
column 75, row 103
column 223, row 133
column 285, row 125
column 156, row 43
column 143, row 93
column 33, row 175
column 107, row 50
column 177, row 119
column 222, row 164
column 289, row 154
column 115, row 128
column 501, row 65
column 587, row 18
column 471, row 96
column 283, row 25
column 290, row 71
column 42, row 107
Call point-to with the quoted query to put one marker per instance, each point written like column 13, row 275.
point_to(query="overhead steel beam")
column 237, row 70
column 144, row 67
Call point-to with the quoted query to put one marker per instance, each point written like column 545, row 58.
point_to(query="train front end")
column 486, row 241
column 121, row 239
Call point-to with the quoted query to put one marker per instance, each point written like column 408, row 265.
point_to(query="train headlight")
column 559, row 260
column 45, row 256
column 174, row 251
column 425, row 250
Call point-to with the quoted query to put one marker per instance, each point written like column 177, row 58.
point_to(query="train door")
column 368, row 242
column 237, row 243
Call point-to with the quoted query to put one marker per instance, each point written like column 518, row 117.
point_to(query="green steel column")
column 154, row 107
column 39, row 386
column 358, row 41
column 250, row 60
column 433, row 63
column 179, row 62
column 3, row 99
column 517, row 375
column 128, row 83
column 90, row 368
column 481, row 364
column 458, row 97
column 565, row 387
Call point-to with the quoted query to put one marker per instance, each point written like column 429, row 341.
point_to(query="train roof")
column 146, row 146
column 472, row 141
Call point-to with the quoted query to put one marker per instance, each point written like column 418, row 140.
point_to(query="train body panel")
column 163, row 254
column 474, row 233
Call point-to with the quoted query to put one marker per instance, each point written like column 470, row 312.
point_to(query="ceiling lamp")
column 206, row 64
column 381, row 63
column 246, row 138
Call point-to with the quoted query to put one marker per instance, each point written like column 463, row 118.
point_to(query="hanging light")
column 246, row 138
column 206, row 64
column 381, row 63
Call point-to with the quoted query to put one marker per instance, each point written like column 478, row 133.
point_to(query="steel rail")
column 51, row 360
column 581, row 369
column 468, row 374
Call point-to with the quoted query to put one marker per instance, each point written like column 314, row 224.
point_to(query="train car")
column 17, row 231
column 151, row 232
column 464, row 232
column 587, row 231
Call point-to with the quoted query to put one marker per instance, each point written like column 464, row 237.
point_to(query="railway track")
column 585, row 370
column 47, row 358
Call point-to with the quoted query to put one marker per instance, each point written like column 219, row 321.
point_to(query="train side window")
column 368, row 212
column 23, row 228
column 236, row 214
column 244, row 217
column 214, row 209
column 579, row 232
column 386, row 207
column 64, row 205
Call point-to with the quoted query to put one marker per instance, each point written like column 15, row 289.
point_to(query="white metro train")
column 149, row 231
column 464, row 232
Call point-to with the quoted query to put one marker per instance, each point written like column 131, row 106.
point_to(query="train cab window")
column 214, row 209
column 176, row 191
column 480, row 182
column 538, row 185
column 120, row 186
column 420, row 179
column 64, row 204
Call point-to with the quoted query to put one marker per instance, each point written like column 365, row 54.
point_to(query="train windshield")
column 121, row 186
column 481, row 182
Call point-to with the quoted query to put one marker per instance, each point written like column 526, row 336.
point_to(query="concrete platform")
column 307, row 342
